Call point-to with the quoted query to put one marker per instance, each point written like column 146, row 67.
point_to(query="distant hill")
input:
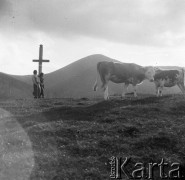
column 11, row 87
column 77, row 79
column 24, row 78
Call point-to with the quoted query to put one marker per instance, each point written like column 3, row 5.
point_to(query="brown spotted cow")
column 168, row 78
column 127, row 73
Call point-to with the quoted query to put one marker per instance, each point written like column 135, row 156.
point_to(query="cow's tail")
column 95, row 87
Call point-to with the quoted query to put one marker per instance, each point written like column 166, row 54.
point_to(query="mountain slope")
column 13, row 88
column 74, row 69
column 77, row 79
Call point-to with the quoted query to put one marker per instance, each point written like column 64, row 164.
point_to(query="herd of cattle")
column 130, row 73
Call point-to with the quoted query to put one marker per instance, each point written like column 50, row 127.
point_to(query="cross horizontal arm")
column 37, row 60
column 45, row 60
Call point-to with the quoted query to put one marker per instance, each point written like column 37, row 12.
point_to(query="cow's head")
column 149, row 73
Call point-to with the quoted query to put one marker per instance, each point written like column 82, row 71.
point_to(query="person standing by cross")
column 36, row 85
column 40, row 74
column 41, row 85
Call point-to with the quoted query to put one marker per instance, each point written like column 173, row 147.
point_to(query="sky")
column 146, row 32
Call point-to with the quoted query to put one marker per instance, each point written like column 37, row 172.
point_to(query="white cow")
column 127, row 73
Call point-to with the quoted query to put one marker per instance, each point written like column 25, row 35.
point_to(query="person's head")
column 35, row 72
column 41, row 74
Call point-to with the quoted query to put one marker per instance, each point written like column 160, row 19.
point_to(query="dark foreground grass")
column 74, row 139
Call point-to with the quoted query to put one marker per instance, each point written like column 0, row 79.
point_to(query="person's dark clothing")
column 41, row 87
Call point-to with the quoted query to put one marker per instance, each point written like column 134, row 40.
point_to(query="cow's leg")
column 182, row 88
column 105, row 86
column 157, row 91
column 135, row 90
column 125, row 90
column 157, row 87
column 106, row 93
column 161, row 91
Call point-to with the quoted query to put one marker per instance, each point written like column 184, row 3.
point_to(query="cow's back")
column 166, row 74
column 167, row 78
column 120, row 72
column 127, row 70
column 105, row 67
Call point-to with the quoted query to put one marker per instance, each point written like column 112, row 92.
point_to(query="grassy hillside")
column 77, row 79
column 11, row 87
column 24, row 78
column 74, row 138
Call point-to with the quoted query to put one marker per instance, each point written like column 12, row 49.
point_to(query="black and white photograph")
column 92, row 89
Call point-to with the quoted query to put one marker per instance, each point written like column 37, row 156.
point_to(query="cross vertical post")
column 40, row 60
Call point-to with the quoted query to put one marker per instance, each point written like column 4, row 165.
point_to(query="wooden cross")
column 40, row 60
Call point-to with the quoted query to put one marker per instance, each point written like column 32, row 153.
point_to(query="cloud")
column 5, row 7
column 140, row 22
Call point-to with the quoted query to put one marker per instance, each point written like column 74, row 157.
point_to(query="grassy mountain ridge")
column 11, row 87
column 77, row 79
column 75, row 69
